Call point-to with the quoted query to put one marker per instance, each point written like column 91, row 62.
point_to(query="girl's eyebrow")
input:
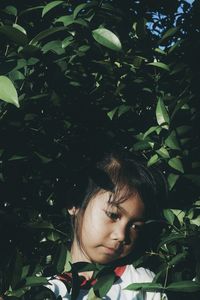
column 140, row 219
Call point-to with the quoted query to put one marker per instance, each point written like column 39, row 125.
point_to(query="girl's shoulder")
column 133, row 274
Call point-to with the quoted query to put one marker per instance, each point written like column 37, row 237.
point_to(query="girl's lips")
column 110, row 251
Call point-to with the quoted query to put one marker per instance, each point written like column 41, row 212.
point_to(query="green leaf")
column 163, row 152
column 92, row 296
column 171, row 238
column 170, row 32
column 35, row 281
column 141, row 145
column 176, row 164
column 153, row 160
column 159, row 65
column 20, row 28
column 179, row 257
column 107, row 38
column 14, row 34
column 104, row 284
column 53, row 46
column 150, row 130
column 122, row 109
column 8, row 92
column 50, row 6
column 145, row 286
column 172, row 179
column 186, row 286
column 45, row 33
column 179, row 105
column 196, row 221
column 11, row 10
column 83, row 6
column 17, row 269
column 111, row 113
column 61, row 258
column 169, row 216
column 171, row 141
column 180, row 214
column 162, row 114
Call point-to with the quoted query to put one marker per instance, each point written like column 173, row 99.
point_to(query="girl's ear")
column 73, row 211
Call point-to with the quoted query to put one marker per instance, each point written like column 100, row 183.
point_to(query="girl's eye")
column 113, row 216
column 137, row 226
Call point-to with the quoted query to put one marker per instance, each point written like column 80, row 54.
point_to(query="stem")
column 166, row 277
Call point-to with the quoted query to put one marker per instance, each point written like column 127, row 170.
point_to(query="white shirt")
column 116, row 292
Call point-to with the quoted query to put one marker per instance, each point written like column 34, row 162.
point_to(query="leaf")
column 20, row 28
column 163, row 152
column 176, row 164
column 83, row 6
column 11, row 10
column 14, row 34
column 92, row 296
column 35, row 281
column 170, row 32
column 104, row 284
column 17, row 269
column 171, row 238
column 171, row 141
column 172, row 179
column 61, row 258
column 150, row 130
column 145, row 286
column 162, row 114
column 50, row 6
column 107, row 38
column 159, row 65
column 169, row 216
column 186, row 286
column 111, row 113
column 153, row 160
column 45, row 33
column 8, row 92
column 179, row 257
column 180, row 214
column 122, row 109
column 141, row 145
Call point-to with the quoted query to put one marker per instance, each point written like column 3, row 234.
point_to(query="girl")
column 120, row 197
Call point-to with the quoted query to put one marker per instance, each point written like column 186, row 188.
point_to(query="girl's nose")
column 119, row 233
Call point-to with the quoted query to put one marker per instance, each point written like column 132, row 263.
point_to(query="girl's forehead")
column 132, row 207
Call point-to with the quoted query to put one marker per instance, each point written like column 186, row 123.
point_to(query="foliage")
column 85, row 77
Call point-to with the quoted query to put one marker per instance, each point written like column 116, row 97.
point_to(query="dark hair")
column 123, row 176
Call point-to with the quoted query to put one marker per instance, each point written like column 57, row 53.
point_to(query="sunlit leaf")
column 172, row 179
column 163, row 152
column 176, row 164
column 153, row 160
column 107, row 38
column 172, row 142
column 169, row 216
column 170, row 32
column 145, row 286
column 50, row 6
column 186, row 286
column 8, row 92
column 20, row 28
column 14, row 34
column 159, row 65
column 162, row 114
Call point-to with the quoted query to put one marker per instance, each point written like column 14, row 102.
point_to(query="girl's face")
column 108, row 232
